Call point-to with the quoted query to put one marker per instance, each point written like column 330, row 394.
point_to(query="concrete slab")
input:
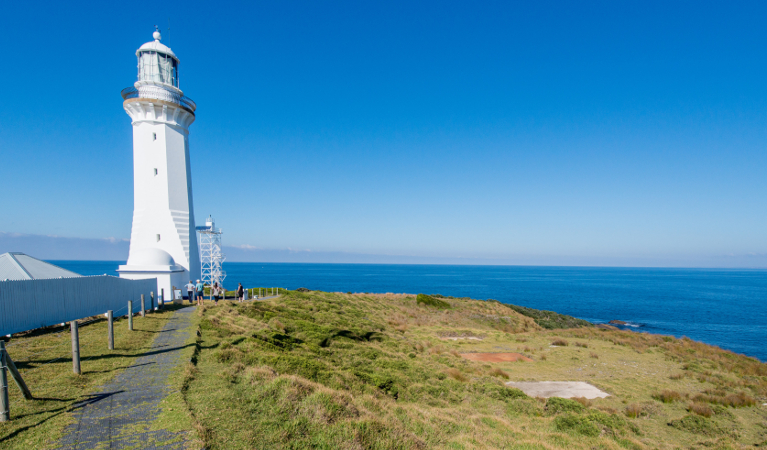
column 563, row 389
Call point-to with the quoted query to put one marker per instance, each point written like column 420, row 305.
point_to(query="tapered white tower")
column 163, row 242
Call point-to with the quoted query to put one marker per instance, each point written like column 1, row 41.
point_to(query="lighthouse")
column 163, row 242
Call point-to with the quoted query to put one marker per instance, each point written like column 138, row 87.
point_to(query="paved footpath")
column 120, row 414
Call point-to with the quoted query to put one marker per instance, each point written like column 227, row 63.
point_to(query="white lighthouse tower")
column 163, row 243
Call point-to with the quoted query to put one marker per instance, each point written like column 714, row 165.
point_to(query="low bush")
column 556, row 405
column 550, row 319
column 592, row 424
column 560, row 342
column 698, row 425
column 428, row 300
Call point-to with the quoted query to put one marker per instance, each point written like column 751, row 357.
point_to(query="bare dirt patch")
column 496, row 357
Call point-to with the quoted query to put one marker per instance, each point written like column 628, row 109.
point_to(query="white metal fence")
column 29, row 304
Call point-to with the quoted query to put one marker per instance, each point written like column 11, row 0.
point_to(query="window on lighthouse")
column 158, row 67
column 158, row 238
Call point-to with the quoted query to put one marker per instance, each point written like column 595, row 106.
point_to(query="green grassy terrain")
column 364, row 371
column 44, row 360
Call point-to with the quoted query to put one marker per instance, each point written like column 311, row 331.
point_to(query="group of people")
column 198, row 291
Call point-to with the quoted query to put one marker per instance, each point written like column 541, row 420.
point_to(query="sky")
column 553, row 133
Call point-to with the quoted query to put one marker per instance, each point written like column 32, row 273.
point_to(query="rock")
column 303, row 289
column 617, row 322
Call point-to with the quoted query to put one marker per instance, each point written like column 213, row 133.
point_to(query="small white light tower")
column 162, row 243
column 211, row 256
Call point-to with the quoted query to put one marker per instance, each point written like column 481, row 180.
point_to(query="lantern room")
column 157, row 64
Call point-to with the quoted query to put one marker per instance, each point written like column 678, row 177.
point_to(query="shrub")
column 428, row 300
column 667, row 396
column 560, row 342
column 594, row 355
column 698, row 425
column 503, row 392
column 582, row 345
column 556, row 405
column 543, row 357
column 577, row 424
column 550, row 319
column 592, row 424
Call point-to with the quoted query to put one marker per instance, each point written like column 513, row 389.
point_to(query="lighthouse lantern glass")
column 157, row 67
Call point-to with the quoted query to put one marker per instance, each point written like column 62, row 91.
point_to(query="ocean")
column 726, row 308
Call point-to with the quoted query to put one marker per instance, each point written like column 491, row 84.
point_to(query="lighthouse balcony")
column 158, row 93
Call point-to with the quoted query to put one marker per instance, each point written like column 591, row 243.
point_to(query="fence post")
column 5, row 407
column 151, row 301
column 111, row 329
column 17, row 376
column 162, row 298
column 130, row 315
column 143, row 306
column 75, row 347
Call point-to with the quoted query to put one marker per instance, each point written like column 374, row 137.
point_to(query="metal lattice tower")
column 211, row 256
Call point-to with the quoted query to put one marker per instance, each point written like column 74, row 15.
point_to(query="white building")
column 163, row 243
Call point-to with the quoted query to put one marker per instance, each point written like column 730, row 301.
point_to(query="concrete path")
column 120, row 414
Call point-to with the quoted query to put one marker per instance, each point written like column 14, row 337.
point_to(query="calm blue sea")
column 727, row 308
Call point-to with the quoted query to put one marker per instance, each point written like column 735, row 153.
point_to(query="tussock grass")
column 668, row 396
column 633, row 410
column 340, row 374
column 560, row 342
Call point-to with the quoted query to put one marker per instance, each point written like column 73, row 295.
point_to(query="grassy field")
column 364, row 371
column 44, row 360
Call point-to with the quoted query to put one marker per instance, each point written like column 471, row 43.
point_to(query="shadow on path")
column 120, row 414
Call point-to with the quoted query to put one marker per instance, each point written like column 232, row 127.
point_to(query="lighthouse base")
column 167, row 278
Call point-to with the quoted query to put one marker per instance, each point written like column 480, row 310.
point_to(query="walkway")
column 120, row 415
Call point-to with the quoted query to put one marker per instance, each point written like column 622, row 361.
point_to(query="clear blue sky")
column 629, row 133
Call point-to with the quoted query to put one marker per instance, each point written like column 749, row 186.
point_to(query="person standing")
column 240, row 293
column 190, row 290
column 200, row 292
column 215, row 292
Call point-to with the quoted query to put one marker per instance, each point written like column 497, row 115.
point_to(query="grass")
column 44, row 361
column 367, row 371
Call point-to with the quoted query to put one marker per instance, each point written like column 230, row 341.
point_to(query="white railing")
column 29, row 304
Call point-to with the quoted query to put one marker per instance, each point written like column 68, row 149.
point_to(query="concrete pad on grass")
column 563, row 389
